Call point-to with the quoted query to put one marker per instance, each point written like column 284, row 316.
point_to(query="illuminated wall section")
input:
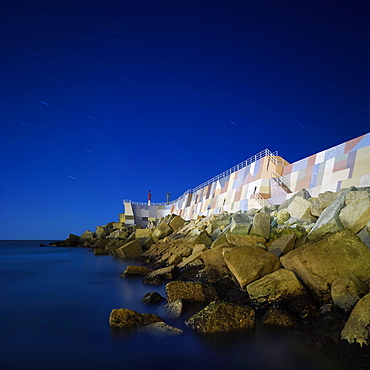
column 333, row 169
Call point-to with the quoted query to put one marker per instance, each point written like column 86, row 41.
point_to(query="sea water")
column 54, row 310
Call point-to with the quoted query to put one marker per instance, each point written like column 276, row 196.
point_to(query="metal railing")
column 264, row 153
column 261, row 200
column 281, row 181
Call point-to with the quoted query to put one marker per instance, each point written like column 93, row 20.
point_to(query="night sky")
column 104, row 100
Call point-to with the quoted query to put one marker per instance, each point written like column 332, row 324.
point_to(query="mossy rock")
column 125, row 318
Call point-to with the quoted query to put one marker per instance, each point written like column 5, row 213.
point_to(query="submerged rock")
column 152, row 298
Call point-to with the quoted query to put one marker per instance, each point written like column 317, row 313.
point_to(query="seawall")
column 264, row 179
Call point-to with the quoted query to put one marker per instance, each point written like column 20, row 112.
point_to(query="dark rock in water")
column 332, row 317
column 42, row 245
column 228, row 291
column 304, row 309
column 125, row 318
column 221, row 317
column 153, row 280
column 276, row 316
column 152, row 298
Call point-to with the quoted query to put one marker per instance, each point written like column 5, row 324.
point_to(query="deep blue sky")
column 103, row 100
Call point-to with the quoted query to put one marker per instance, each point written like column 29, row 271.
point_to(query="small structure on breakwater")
column 262, row 180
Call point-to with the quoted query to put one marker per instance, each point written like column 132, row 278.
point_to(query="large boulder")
column 197, row 251
column 319, row 263
column 241, row 223
column 299, row 208
column 190, row 291
column 161, row 231
column 240, row 240
column 301, row 194
column 261, row 225
column 249, row 263
column 176, row 223
column 129, row 250
column 357, row 197
column 135, row 270
column 357, row 328
column 329, row 222
column 196, row 236
column 280, row 286
column 278, row 317
column 220, row 317
column 125, row 318
column 355, row 215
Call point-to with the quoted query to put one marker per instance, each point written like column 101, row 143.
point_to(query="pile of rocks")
column 304, row 261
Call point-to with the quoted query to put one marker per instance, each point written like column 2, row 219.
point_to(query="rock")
column 174, row 259
column 125, row 318
column 356, row 215
column 129, row 250
column 240, row 240
column 240, row 223
column 346, row 292
column 299, row 208
column 215, row 264
column 100, row 252
column 197, row 252
column 248, row 263
column 163, row 273
column 319, row 263
column 276, row 316
column 152, row 298
column 190, row 291
column 73, row 240
column 132, row 270
column 197, row 236
column 302, row 194
column 100, row 232
column 218, row 221
column 329, row 222
column 161, row 231
column 325, row 199
column 364, row 235
column 357, row 328
column 143, row 233
column 282, row 245
column 159, row 329
column 280, row 286
column 282, row 216
column 176, row 223
column 220, row 317
column 118, row 234
column 175, row 308
column 261, row 225
column 357, row 197
column 87, row 235
column 145, row 243
column 303, row 308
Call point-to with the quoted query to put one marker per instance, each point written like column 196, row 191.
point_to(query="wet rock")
column 221, row 317
column 190, row 291
column 100, row 252
column 132, row 270
column 277, row 287
column 175, row 308
column 276, row 316
column 357, row 328
column 152, row 298
column 126, row 318
column 303, row 308
column 319, row 263
column 248, row 263
column 215, row 264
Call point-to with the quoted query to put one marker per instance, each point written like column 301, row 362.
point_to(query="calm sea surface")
column 54, row 310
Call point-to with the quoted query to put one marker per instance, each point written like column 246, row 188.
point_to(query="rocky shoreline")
column 299, row 266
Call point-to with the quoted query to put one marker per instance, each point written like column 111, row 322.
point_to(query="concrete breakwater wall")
column 264, row 179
